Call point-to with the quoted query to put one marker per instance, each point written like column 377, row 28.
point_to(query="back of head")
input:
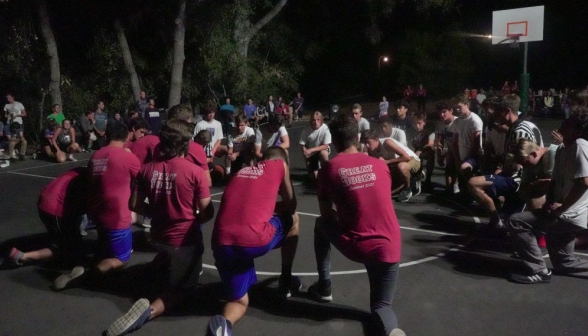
column 579, row 102
column 443, row 105
column 343, row 132
column 203, row 137
column 275, row 120
column 137, row 124
column 117, row 131
column 275, row 153
column 175, row 138
column 510, row 102
column 180, row 112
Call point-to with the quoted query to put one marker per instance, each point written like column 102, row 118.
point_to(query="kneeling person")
column 249, row 227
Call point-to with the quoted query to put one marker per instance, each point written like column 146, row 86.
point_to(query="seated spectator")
column 274, row 134
column 402, row 162
column 284, row 110
column 250, row 111
column 64, row 141
column 47, row 138
column 15, row 138
column 314, row 143
column 389, row 131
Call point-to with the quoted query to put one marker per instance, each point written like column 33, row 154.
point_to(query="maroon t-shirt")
column 247, row 206
column 144, row 147
column 359, row 186
column 64, row 195
column 174, row 188
column 111, row 169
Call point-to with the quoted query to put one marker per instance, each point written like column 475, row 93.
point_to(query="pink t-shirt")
column 112, row 169
column 144, row 148
column 174, row 188
column 64, row 195
column 247, row 206
column 360, row 186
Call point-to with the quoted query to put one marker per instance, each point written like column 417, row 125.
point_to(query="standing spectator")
column 408, row 94
column 565, row 102
column 142, row 103
column 548, row 102
column 15, row 137
column 153, row 118
column 514, row 88
column 298, row 106
column 384, row 105
column 227, row 116
column 270, row 105
column 14, row 111
column 421, row 96
column 100, row 121
column 362, row 230
column 57, row 114
column 85, row 130
column 423, row 142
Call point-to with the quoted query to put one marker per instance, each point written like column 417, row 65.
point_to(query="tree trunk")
column 54, row 85
column 175, row 90
column 127, row 57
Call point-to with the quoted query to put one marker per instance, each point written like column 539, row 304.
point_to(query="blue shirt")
column 249, row 110
column 228, row 107
column 101, row 118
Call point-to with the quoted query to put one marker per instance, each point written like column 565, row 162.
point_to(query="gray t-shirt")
column 101, row 118
column 544, row 167
column 571, row 164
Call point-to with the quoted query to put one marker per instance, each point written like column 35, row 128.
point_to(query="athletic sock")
column 228, row 171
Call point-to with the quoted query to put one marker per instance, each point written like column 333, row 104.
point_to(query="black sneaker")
column 321, row 291
column 288, row 286
column 538, row 277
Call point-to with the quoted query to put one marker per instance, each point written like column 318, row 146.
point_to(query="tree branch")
column 268, row 17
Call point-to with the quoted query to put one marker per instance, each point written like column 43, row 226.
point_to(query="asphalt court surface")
column 452, row 280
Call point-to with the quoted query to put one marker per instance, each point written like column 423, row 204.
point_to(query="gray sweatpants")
column 559, row 235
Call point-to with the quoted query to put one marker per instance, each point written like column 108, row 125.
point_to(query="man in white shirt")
column 14, row 111
column 240, row 145
column 389, row 131
column 276, row 135
column 467, row 140
column 314, row 143
column 214, row 148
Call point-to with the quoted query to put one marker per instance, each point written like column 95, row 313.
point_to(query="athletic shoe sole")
column 314, row 293
column 217, row 326
column 65, row 280
column 123, row 323
column 397, row 332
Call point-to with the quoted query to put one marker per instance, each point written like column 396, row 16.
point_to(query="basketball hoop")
column 513, row 40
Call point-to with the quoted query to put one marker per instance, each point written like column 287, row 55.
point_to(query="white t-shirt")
column 273, row 139
column 216, row 131
column 404, row 148
column 399, row 135
column 313, row 138
column 465, row 127
column 236, row 142
column 445, row 131
column 13, row 109
column 362, row 125
column 571, row 164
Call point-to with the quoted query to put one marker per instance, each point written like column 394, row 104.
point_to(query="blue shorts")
column 474, row 162
column 115, row 243
column 235, row 263
column 507, row 187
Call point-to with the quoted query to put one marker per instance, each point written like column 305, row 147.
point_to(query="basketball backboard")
column 526, row 23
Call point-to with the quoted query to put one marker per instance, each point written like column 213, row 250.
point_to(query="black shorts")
column 185, row 264
column 64, row 235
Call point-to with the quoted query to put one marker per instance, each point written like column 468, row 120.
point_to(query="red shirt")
column 64, row 195
column 283, row 110
column 360, row 186
column 247, row 206
column 112, row 169
column 174, row 188
column 144, row 148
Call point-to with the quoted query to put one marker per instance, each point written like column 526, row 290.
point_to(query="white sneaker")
column 71, row 158
column 456, row 189
column 4, row 164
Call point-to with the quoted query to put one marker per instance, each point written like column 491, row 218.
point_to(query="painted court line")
column 47, row 165
column 33, row 175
